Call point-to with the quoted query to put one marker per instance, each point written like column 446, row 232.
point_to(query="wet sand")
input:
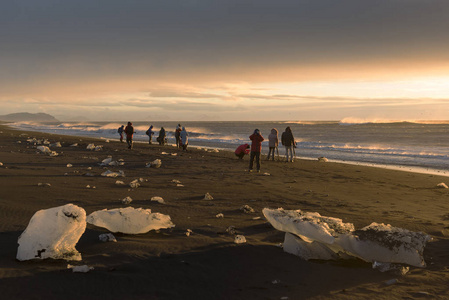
column 168, row 264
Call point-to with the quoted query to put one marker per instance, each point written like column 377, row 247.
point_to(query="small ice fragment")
column 1, row 164
column 74, row 145
column 44, row 149
column 266, row 174
column 56, row 145
column 220, row 215
column 154, row 164
column 208, row 196
column 158, row 199
column 80, row 269
column 231, row 230
column 247, row 209
column 179, row 185
column 174, row 154
column 69, row 165
column 322, row 159
column 134, row 184
column 391, row 281
column 442, row 185
column 276, row 281
column 109, row 173
column 89, row 168
column 239, row 239
column 176, row 181
column 107, row 237
column 284, row 298
column 106, row 161
column 19, row 142
column 89, row 175
column 256, row 218
column 98, row 148
column 119, row 182
column 88, row 186
column 53, row 153
column 43, row 184
column 127, row 200
column 188, row 232
column 90, row 147
column 385, row 267
column 164, row 153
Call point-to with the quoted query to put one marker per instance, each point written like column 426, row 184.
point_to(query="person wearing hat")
column 129, row 130
column 256, row 146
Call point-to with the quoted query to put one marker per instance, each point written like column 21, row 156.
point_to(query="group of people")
column 287, row 140
column 181, row 136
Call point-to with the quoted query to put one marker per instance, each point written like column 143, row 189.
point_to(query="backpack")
column 147, row 132
column 118, row 130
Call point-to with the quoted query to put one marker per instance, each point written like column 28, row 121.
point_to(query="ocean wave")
column 357, row 121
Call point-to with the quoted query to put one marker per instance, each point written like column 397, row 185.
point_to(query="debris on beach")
column 74, row 145
column 134, row 184
column 109, row 173
column 312, row 236
column 69, row 165
column 247, row 209
column 53, row 233
column 107, row 237
column 179, row 185
column 220, row 215
column 154, row 164
column 56, row 145
column 44, row 149
column 322, row 159
column 266, row 174
column 189, row 232
column 80, row 269
column 239, row 239
column 174, row 154
column 129, row 220
column 442, row 185
column 91, row 187
column 231, row 230
column 158, row 199
column 44, row 184
column 127, row 200
column 119, row 182
column 176, row 181
column 90, row 147
column 1, row 164
column 208, row 196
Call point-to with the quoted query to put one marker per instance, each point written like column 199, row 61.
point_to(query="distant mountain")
column 24, row 116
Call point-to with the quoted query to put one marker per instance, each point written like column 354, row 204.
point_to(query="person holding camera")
column 256, row 147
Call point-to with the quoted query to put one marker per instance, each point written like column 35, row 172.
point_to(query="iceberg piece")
column 314, row 250
column 74, row 145
column 1, row 164
column 134, row 184
column 308, row 226
column 127, row 200
column 129, row 220
column 107, row 237
column 69, row 165
column 247, row 209
column 239, row 239
column 80, row 269
column 322, row 159
column 385, row 243
column 56, row 145
column 442, row 185
column 106, row 161
column 119, row 182
column 154, row 164
column 208, row 196
column 158, row 199
column 109, row 173
column 90, row 147
column 98, row 148
column 220, row 215
column 53, row 233
column 44, row 149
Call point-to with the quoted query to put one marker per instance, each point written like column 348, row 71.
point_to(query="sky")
column 228, row 60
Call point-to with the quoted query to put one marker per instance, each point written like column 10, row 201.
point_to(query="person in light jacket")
column 273, row 142
column 256, row 146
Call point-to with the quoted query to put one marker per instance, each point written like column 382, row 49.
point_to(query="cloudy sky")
column 226, row 60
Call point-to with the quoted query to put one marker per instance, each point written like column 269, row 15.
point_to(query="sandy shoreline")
column 208, row 264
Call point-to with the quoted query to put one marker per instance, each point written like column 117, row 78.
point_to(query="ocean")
column 413, row 146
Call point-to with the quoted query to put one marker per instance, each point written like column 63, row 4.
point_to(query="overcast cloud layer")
column 68, row 57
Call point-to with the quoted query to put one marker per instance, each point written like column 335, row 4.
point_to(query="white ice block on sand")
column 308, row 226
column 44, row 149
column 53, row 233
column 314, row 250
column 129, row 220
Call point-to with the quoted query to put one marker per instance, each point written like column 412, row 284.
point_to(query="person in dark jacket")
column 129, row 130
column 178, row 135
column 121, row 131
column 150, row 133
column 256, row 146
column 161, row 137
column 289, row 143
column 273, row 143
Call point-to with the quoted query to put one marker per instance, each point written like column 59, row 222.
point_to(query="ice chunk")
column 247, row 209
column 98, row 148
column 220, row 215
column 44, row 149
column 53, row 233
column 119, row 182
column 189, row 232
column 74, row 145
column 308, row 226
column 56, row 145
column 176, row 181
column 154, row 164
column 208, row 196
column 106, row 161
column 107, row 237
column 239, row 239
column 385, row 243
column 109, row 173
column 385, row 267
column 69, row 165
column 158, row 199
column 129, row 220
column 322, row 159
column 442, row 185
column 127, row 200
column 44, row 184
column 314, row 250
column 80, row 269
column 134, row 184
column 1, row 164
column 90, row 147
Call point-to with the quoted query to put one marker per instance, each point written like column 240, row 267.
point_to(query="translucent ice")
column 53, row 233
column 129, row 220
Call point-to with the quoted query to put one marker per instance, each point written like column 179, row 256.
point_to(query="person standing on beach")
column 256, row 146
column 184, row 139
column 120, row 131
column 289, row 142
column 177, row 135
column 150, row 133
column 129, row 130
column 161, row 137
column 242, row 150
column 273, row 142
